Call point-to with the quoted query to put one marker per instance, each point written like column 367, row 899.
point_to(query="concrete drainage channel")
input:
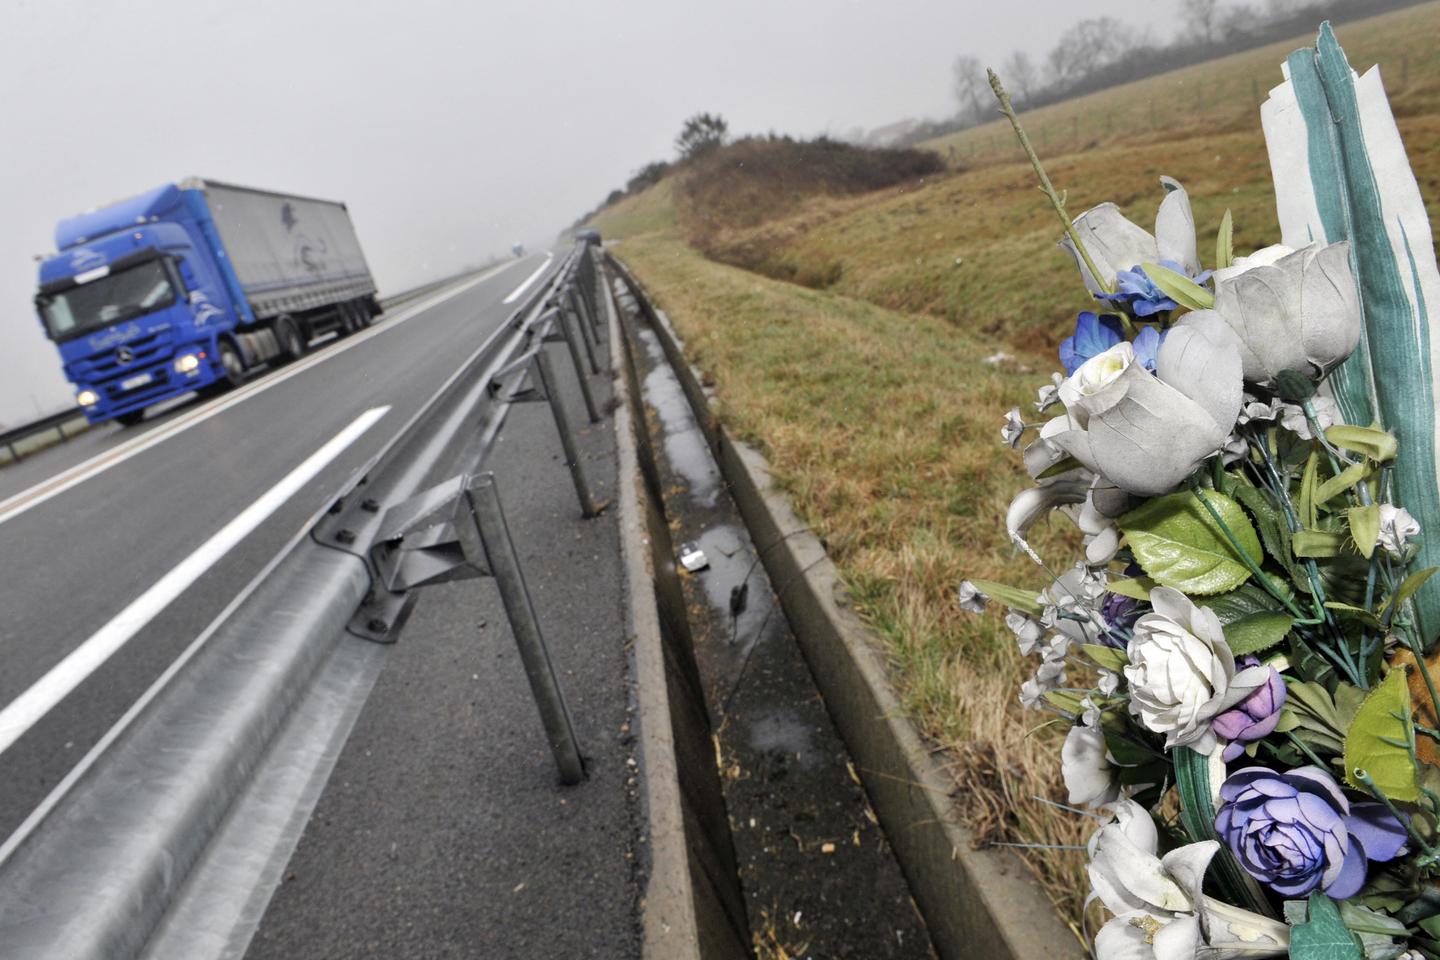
column 808, row 733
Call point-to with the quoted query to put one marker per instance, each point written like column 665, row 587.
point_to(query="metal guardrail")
column 56, row 422
column 153, row 845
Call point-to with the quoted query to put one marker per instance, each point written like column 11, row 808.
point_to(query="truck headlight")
column 87, row 398
column 187, row 363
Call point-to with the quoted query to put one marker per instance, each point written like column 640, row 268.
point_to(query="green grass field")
column 876, row 400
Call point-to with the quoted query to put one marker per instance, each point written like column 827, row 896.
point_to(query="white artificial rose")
column 1300, row 313
column 1263, row 257
column 1086, row 768
column 1114, row 243
column 1145, row 433
column 1181, row 671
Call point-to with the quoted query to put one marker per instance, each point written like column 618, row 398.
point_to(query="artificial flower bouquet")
column 1244, row 653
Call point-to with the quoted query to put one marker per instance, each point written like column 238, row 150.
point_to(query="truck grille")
column 127, row 357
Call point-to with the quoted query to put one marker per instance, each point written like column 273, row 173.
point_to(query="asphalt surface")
column 442, row 831
column 70, row 562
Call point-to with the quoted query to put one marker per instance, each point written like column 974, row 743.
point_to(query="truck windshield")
column 123, row 295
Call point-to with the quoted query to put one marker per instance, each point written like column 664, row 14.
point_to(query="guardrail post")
column 456, row 530
column 505, row 567
column 545, row 373
column 563, row 323
column 569, row 303
column 583, row 307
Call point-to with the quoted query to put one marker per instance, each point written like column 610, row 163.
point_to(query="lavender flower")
column 1296, row 832
column 1253, row 718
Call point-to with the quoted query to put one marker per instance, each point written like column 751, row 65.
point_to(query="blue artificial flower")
column 1147, row 347
column 1138, row 294
column 1135, row 291
column 1094, row 334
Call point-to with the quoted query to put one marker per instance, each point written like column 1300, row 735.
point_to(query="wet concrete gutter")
column 976, row 903
column 692, row 907
column 817, row 873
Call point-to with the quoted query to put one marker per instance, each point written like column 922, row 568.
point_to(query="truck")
column 189, row 286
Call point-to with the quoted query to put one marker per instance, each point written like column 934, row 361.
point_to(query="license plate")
column 134, row 382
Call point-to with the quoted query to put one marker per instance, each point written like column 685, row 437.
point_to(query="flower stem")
column 1304, row 748
column 1369, row 784
column 1241, row 552
column 1056, row 201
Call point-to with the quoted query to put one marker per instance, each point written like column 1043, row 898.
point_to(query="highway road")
column 118, row 549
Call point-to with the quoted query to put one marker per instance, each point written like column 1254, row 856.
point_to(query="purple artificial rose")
column 1253, row 718
column 1296, row 832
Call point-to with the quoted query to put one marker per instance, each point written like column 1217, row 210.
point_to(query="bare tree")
column 1020, row 75
column 1201, row 18
column 969, row 85
column 700, row 133
column 1086, row 47
column 1236, row 21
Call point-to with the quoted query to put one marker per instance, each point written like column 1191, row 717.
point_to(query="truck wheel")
column 292, row 341
column 350, row 320
column 130, row 419
column 232, row 367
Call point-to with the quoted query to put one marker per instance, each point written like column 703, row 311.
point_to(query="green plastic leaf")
column 1274, row 532
column 1179, row 287
column 1342, row 481
column 1026, row 601
column 1178, row 543
column 1319, row 543
column 1105, row 657
column 1224, row 242
column 1063, row 466
column 1243, row 602
column 1259, row 631
column 1136, row 588
column 1324, row 935
column 1364, row 528
column 1407, row 589
column 1309, row 480
column 1346, row 611
column 1371, row 442
column 1376, row 741
column 1315, row 707
column 1064, row 701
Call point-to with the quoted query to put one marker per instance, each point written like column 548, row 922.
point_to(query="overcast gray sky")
column 450, row 128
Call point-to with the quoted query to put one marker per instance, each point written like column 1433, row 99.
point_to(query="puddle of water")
column 782, row 730
column 685, row 447
column 814, row 867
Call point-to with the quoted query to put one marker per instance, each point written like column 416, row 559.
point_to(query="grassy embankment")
column 869, row 389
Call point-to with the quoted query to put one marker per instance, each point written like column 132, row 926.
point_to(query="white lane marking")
column 515, row 294
column 17, row 504
column 25, row 710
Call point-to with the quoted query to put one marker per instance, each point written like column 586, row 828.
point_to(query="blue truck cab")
column 144, row 303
